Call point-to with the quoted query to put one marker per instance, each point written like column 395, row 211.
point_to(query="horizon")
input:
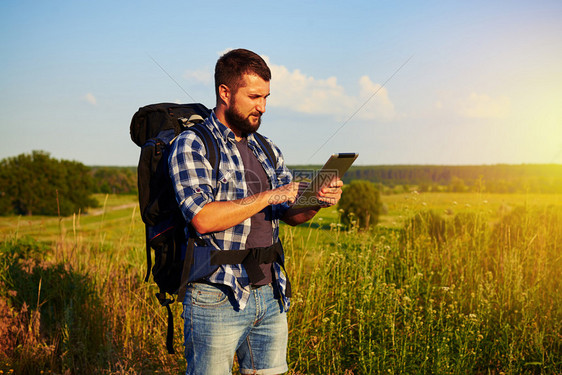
column 381, row 165
column 420, row 83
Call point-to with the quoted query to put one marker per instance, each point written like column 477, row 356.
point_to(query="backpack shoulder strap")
column 266, row 147
column 211, row 145
column 212, row 154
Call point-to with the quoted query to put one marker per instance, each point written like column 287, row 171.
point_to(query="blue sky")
column 481, row 84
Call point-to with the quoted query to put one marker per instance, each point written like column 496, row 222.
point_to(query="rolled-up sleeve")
column 191, row 174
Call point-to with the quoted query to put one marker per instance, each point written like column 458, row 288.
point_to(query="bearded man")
column 230, row 312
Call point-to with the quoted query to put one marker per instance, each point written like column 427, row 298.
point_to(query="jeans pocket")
column 208, row 296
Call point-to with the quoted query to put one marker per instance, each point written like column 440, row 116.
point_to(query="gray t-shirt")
column 261, row 232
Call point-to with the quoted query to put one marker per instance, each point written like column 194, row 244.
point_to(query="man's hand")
column 331, row 194
column 327, row 196
column 286, row 193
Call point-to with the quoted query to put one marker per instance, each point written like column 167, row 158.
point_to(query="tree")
column 38, row 184
column 115, row 180
column 457, row 185
column 360, row 201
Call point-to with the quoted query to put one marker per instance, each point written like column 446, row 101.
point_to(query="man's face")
column 247, row 105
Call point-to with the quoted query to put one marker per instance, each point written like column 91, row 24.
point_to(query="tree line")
column 115, row 180
column 501, row 178
column 37, row 184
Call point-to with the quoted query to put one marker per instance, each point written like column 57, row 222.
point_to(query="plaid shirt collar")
column 220, row 130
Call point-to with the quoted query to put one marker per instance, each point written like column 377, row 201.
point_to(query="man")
column 230, row 311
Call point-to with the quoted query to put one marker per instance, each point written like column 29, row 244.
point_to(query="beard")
column 243, row 124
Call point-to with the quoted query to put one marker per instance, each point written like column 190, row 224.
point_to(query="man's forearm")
column 221, row 215
column 296, row 216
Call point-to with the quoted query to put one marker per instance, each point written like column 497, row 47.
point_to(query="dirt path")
column 100, row 211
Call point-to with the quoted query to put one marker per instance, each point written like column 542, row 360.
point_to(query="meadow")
column 447, row 283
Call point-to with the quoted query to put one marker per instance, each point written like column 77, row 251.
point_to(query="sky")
column 399, row 82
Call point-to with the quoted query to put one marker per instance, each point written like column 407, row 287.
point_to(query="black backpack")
column 153, row 128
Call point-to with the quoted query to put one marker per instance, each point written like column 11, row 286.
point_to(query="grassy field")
column 445, row 284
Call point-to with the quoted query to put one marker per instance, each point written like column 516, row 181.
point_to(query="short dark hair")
column 234, row 64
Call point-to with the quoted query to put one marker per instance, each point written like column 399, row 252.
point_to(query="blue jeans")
column 214, row 331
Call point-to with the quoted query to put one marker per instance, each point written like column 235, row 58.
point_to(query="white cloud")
column 299, row 92
column 379, row 104
column 224, row 51
column 90, row 98
column 204, row 76
column 302, row 93
column 484, row 106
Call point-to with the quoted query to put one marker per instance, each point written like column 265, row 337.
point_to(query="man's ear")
column 224, row 94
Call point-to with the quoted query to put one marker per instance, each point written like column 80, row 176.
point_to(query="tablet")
column 335, row 167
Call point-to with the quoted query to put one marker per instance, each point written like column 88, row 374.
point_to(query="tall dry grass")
column 446, row 294
column 78, row 303
column 442, row 293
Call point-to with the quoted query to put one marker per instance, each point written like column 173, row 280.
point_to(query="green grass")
column 445, row 284
column 115, row 222
column 481, row 297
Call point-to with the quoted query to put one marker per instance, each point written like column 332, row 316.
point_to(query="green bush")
column 115, row 180
column 36, row 184
column 360, row 204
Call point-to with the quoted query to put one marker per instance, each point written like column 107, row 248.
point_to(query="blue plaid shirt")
column 196, row 184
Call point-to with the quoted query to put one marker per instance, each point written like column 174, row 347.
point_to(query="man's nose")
column 260, row 107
